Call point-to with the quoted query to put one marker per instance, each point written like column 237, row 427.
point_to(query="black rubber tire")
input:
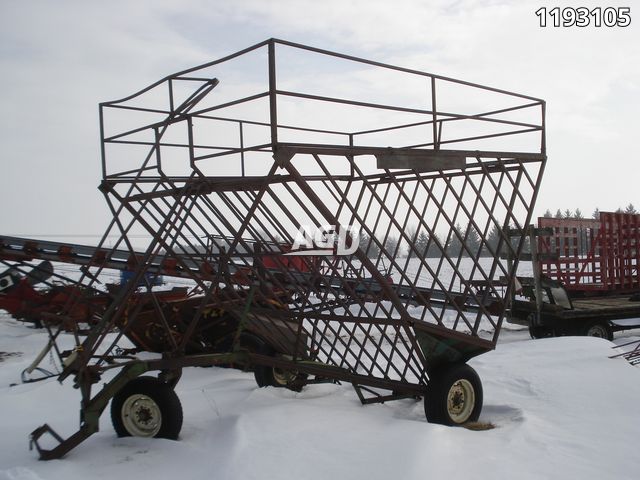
column 159, row 396
column 274, row 377
column 540, row 332
column 456, row 382
column 267, row 376
column 598, row 329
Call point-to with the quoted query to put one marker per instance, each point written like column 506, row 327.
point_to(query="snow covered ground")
column 562, row 409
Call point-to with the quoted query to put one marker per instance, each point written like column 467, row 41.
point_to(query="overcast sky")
column 59, row 59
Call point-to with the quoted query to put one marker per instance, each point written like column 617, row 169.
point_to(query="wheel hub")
column 141, row 416
column 282, row 376
column 460, row 401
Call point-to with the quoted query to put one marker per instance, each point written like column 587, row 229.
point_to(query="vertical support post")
column 350, row 157
column 273, row 107
column 171, row 104
column 543, row 138
column 103, row 152
column 192, row 154
column 157, row 137
column 636, row 242
column 241, row 148
column 506, row 232
column 533, row 241
column 434, row 115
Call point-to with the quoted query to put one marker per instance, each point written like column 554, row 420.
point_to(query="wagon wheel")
column 536, row 332
column 454, row 395
column 279, row 377
column 146, row 407
column 598, row 329
column 267, row 376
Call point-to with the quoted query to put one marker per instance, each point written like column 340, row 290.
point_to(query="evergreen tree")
column 422, row 243
column 558, row 214
column 596, row 214
column 434, row 247
column 568, row 214
column 578, row 214
column 454, row 247
column 363, row 240
column 368, row 245
column 391, row 245
column 473, row 241
column 630, row 209
column 492, row 241
column 412, row 238
column 548, row 214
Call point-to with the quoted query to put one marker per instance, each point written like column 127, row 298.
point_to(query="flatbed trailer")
column 598, row 316
column 586, row 277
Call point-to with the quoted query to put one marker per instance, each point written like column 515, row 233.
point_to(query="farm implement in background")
column 586, row 277
column 339, row 234
column 32, row 290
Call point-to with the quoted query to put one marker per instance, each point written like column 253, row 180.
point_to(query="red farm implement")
column 32, row 290
column 331, row 233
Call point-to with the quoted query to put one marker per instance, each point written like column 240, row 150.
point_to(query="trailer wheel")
column 599, row 330
column 267, row 376
column 146, row 407
column 454, row 395
column 540, row 332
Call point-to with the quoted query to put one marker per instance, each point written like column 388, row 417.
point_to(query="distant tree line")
column 577, row 214
column 585, row 239
column 462, row 241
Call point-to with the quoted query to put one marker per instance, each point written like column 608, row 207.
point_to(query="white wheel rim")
column 461, row 399
column 141, row 416
column 283, row 377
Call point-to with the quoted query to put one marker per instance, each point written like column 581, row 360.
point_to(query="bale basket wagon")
column 340, row 220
